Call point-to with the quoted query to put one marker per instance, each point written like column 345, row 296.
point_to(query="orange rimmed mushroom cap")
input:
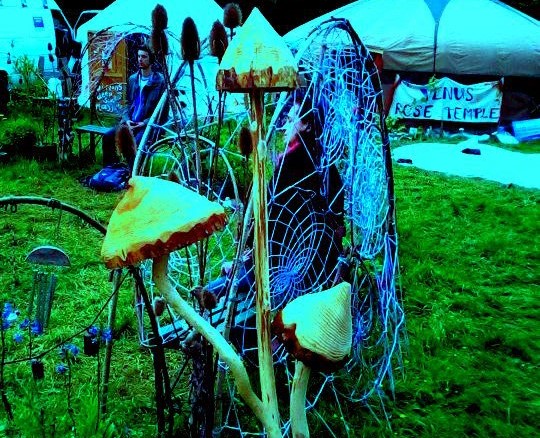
column 316, row 328
column 156, row 217
column 257, row 58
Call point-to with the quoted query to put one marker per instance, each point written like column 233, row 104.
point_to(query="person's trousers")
column 110, row 155
column 110, row 151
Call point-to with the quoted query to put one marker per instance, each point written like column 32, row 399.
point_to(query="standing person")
column 305, row 214
column 144, row 89
column 306, row 202
column 300, row 167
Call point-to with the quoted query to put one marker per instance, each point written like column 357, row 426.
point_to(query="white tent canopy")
column 134, row 16
column 480, row 37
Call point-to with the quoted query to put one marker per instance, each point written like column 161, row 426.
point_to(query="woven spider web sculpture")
column 331, row 217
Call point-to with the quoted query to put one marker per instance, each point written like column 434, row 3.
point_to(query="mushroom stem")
column 299, row 425
column 262, row 265
column 224, row 349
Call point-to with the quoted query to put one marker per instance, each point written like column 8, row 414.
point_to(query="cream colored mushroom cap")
column 257, row 57
column 156, row 217
column 323, row 321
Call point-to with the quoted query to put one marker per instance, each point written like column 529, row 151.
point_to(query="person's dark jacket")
column 152, row 92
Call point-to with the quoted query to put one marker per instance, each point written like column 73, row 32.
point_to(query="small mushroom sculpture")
column 154, row 218
column 316, row 329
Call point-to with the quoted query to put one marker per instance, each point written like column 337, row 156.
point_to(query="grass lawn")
column 469, row 254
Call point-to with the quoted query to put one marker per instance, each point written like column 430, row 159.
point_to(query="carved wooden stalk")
column 262, row 267
column 256, row 61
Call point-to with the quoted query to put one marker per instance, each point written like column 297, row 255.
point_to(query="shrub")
column 19, row 137
column 30, row 84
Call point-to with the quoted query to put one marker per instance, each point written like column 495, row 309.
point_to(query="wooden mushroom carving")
column 256, row 61
column 154, row 218
column 317, row 330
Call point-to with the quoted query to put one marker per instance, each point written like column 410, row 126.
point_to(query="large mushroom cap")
column 317, row 328
column 257, row 57
column 155, row 217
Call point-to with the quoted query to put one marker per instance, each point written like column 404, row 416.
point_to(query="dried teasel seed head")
column 232, row 15
column 189, row 40
column 209, row 300
column 159, row 305
column 160, row 43
column 218, row 40
column 245, row 143
column 159, row 18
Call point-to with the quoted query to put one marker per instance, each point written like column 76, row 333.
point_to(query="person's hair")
column 146, row 48
column 311, row 116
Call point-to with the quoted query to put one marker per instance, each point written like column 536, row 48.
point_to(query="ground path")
column 492, row 163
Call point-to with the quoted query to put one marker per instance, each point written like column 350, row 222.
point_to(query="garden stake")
column 162, row 381
column 5, row 400
column 109, row 343
column 191, row 51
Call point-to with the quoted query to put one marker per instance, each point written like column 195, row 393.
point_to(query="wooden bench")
column 174, row 333
column 92, row 130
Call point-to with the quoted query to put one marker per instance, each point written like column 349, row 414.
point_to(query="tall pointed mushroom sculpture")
column 258, row 61
column 317, row 330
column 154, row 218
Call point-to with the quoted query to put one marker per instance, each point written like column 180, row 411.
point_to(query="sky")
column 272, row 10
column 275, row 10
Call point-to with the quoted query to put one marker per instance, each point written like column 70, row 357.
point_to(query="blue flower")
column 18, row 337
column 106, row 335
column 9, row 315
column 68, row 350
column 93, row 331
column 73, row 349
column 61, row 368
column 36, row 328
column 24, row 325
column 12, row 317
column 8, row 308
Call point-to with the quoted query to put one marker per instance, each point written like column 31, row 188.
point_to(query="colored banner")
column 447, row 100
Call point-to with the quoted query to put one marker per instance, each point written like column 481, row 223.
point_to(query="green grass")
column 469, row 255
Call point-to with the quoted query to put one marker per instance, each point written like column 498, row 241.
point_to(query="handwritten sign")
column 448, row 100
column 110, row 98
